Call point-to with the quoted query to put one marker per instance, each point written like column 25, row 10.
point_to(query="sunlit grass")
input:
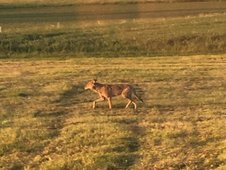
column 46, row 120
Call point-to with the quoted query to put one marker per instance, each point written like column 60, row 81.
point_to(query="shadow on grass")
column 72, row 96
column 124, row 153
column 127, row 145
column 162, row 108
column 48, row 114
column 111, row 161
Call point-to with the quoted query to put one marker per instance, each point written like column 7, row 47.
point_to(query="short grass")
column 46, row 120
column 69, row 2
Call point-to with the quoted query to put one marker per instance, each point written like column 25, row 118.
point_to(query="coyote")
column 107, row 91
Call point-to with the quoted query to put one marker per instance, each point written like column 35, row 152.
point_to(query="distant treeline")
column 97, row 44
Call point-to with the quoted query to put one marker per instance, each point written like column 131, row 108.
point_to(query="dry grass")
column 79, row 1
column 46, row 121
column 72, row 2
column 76, row 1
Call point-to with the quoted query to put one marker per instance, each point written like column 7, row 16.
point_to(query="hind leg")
column 134, row 104
column 126, row 93
column 128, row 104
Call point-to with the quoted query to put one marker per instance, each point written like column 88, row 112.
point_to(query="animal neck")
column 97, row 87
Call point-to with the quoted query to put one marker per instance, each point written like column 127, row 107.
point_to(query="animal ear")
column 94, row 80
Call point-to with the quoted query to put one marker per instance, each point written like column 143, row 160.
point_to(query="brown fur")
column 107, row 91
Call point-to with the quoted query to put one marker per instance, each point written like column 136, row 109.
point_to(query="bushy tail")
column 138, row 98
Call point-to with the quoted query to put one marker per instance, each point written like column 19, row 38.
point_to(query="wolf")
column 107, row 91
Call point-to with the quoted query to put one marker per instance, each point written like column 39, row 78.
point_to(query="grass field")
column 194, row 35
column 125, row 30
column 46, row 120
column 60, row 2
column 173, row 54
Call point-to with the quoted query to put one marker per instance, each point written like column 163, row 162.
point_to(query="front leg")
column 98, row 100
column 109, row 103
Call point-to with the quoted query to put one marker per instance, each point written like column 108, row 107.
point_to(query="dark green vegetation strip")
column 185, row 36
column 107, row 45
column 181, row 29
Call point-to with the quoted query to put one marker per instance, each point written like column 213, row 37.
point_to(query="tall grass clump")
column 96, row 44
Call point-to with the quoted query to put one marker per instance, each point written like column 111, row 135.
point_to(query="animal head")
column 90, row 85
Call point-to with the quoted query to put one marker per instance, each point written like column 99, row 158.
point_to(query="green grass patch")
column 46, row 120
column 41, row 34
